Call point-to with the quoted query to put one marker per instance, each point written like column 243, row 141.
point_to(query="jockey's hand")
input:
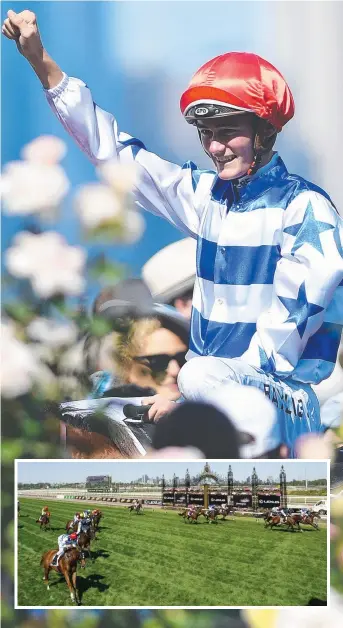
column 22, row 28
column 160, row 406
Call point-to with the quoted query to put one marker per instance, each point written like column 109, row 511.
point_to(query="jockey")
column 284, row 512
column 77, row 517
column 275, row 510
column 65, row 542
column 45, row 511
column 83, row 525
column 255, row 224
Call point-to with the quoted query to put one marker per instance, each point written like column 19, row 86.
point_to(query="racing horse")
column 225, row 511
column 71, row 525
column 84, row 541
column 274, row 520
column 67, row 566
column 135, row 508
column 306, row 519
column 95, row 517
column 211, row 516
column 44, row 521
column 192, row 514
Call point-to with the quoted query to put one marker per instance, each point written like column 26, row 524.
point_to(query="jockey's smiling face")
column 230, row 142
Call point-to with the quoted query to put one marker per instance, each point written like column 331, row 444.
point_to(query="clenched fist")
column 22, row 27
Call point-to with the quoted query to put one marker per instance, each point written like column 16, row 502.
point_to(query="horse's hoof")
column 48, row 588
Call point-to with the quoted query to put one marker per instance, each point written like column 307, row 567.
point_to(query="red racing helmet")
column 238, row 83
column 73, row 536
column 244, row 82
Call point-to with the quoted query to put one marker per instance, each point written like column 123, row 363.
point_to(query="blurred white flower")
column 314, row 446
column 133, row 226
column 73, row 359
column 28, row 188
column 52, row 333
column 48, row 261
column 121, row 177
column 46, row 149
column 97, row 204
column 20, row 368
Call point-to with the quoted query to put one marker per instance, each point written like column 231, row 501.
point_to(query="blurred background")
column 137, row 57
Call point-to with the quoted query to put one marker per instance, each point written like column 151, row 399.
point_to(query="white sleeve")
column 164, row 188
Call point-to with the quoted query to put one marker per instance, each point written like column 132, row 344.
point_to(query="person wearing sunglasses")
column 152, row 357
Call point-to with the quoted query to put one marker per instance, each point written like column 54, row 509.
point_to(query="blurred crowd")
column 143, row 354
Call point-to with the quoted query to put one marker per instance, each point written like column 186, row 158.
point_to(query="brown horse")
column 225, row 511
column 67, row 567
column 211, row 516
column 96, row 519
column 192, row 514
column 137, row 508
column 84, row 541
column 44, row 521
column 309, row 520
column 275, row 520
column 71, row 525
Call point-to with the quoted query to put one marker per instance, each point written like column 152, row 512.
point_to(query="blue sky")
column 125, row 471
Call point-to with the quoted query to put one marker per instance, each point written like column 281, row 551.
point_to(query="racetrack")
column 155, row 559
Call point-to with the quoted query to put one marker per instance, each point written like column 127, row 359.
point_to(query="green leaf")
column 20, row 312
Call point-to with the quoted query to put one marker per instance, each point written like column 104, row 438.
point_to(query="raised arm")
column 175, row 193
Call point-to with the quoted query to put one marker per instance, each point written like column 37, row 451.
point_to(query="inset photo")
column 171, row 533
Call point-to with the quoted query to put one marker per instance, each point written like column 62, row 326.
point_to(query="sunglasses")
column 159, row 362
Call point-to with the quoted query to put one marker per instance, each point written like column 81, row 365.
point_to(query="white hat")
column 251, row 413
column 171, row 271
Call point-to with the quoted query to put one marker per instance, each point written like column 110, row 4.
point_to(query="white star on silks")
column 300, row 309
column 308, row 231
column 267, row 364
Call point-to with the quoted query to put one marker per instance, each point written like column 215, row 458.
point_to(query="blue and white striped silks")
column 269, row 284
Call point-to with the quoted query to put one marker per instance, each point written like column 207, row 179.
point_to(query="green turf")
column 155, row 559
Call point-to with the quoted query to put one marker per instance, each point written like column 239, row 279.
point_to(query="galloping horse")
column 211, row 516
column 84, row 540
column 96, row 518
column 274, row 520
column 136, row 508
column 67, row 566
column 44, row 521
column 225, row 511
column 193, row 514
column 306, row 519
column 72, row 525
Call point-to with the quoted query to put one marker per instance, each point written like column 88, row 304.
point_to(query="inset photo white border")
column 103, row 467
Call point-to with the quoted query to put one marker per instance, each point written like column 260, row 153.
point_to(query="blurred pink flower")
column 29, row 188
column 48, row 261
column 334, row 532
column 46, row 149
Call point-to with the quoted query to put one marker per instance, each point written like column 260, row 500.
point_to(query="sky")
column 126, row 471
